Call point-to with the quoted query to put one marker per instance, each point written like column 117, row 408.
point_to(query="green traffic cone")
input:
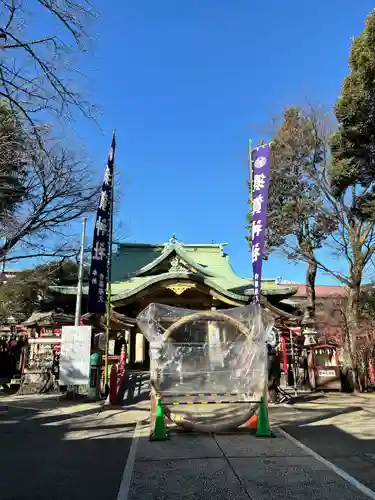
column 263, row 429
column 160, row 432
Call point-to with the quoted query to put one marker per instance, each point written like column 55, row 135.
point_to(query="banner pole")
column 99, row 296
column 80, row 274
column 109, row 307
column 250, row 152
column 109, row 280
column 250, row 166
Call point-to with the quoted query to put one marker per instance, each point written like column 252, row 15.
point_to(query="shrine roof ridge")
column 162, row 245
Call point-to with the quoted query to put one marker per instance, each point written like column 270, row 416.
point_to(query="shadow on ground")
column 348, row 442
column 353, row 451
column 79, row 456
column 135, row 388
column 354, row 456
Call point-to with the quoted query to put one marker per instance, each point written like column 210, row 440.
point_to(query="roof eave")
column 180, row 275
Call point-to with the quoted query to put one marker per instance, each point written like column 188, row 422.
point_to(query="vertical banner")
column 261, row 169
column 97, row 299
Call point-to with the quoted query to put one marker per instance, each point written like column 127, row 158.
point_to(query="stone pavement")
column 339, row 427
column 235, row 466
column 240, row 466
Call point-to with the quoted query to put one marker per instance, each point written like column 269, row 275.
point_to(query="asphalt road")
column 51, row 456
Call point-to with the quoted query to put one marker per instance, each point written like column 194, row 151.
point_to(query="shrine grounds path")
column 339, row 427
column 58, row 451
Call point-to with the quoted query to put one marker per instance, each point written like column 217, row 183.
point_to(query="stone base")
column 37, row 382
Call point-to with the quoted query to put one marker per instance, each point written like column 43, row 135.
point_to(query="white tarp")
column 75, row 355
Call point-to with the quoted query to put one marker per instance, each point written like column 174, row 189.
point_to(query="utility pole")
column 80, row 274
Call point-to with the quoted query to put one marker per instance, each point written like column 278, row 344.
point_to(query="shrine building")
column 191, row 276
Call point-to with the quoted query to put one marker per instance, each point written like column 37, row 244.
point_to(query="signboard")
column 327, row 373
column 75, row 355
column 111, row 347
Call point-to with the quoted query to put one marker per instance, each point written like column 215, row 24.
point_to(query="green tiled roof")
column 128, row 259
column 137, row 266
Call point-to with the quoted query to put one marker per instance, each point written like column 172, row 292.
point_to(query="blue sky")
column 186, row 83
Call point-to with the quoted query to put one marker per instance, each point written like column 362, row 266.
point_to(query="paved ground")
column 51, row 451
column 236, row 467
column 57, row 450
column 340, row 428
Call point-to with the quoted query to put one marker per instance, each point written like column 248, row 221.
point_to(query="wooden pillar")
column 285, row 356
column 154, row 383
column 146, row 354
column 127, row 344
column 139, row 347
column 131, row 347
column 214, row 346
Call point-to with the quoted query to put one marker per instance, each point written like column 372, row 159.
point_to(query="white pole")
column 80, row 274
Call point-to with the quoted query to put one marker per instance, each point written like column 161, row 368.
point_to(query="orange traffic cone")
column 252, row 423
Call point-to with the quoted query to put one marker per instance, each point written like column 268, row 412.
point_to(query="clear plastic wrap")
column 214, row 352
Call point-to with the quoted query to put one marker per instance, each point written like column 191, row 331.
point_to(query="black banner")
column 100, row 258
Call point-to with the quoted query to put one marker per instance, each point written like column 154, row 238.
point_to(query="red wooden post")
column 122, row 367
column 113, row 385
column 121, row 371
column 372, row 371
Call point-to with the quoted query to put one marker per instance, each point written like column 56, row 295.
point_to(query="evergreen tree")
column 353, row 161
column 27, row 291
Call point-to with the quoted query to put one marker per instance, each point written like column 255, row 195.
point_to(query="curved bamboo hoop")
column 245, row 412
column 209, row 315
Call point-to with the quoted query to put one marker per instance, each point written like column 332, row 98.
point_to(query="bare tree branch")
column 56, row 192
column 305, row 212
column 34, row 74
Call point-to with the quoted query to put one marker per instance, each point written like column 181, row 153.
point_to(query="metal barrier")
column 210, row 402
column 175, row 403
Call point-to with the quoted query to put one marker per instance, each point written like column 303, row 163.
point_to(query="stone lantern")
column 308, row 329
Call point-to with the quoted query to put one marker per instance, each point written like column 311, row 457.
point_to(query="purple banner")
column 261, row 168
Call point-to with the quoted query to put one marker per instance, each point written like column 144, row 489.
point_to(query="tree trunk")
column 349, row 358
column 310, row 284
column 354, row 302
column 353, row 317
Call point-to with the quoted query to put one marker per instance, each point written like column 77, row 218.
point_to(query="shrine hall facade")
column 192, row 276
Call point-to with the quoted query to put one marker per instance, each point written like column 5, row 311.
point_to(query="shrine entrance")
column 187, row 295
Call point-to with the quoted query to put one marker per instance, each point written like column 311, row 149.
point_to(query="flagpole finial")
column 113, row 145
